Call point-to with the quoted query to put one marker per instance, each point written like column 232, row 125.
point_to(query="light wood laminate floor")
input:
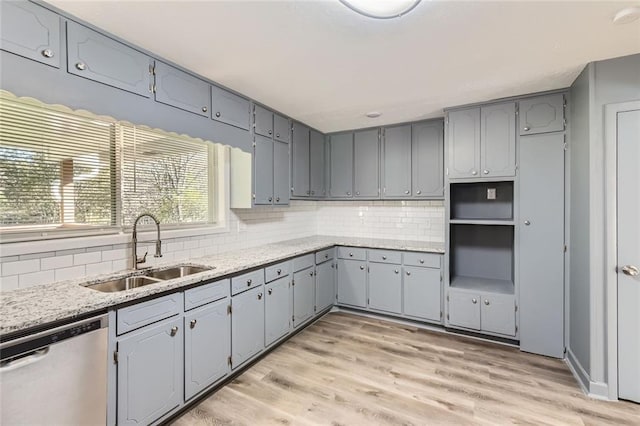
column 352, row 370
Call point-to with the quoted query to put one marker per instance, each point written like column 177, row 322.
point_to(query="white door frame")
column 611, row 239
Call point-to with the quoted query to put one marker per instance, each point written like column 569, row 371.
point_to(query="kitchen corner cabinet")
column 317, row 163
column 99, row 58
column 385, row 287
column 181, row 90
column 277, row 310
column 303, row 295
column 542, row 114
column 229, row 108
column 150, row 368
column 427, row 160
column 300, row 161
column 366, row 173
column 341, row 165
column 325, row 285
column 247, row 325
column 352, row 282
column 30, row 31
column 396, row 162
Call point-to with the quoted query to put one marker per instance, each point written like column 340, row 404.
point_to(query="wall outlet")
column 491, row 193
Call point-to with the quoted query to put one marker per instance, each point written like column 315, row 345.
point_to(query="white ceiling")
column 321, row 63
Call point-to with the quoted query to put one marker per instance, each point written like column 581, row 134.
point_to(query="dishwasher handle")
column 24, row 359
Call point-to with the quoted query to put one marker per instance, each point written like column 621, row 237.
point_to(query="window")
column 63, row 169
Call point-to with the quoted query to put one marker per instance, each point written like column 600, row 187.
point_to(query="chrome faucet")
column 137, row 260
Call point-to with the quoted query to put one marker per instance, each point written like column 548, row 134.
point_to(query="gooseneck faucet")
column 137, row 260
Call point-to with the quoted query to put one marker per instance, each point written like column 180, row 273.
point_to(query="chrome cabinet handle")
column 348, row 192
column 174, row 331
column 270, row 132
column 270, row 291
column 270, row 199
column 384, row 257
column 421, row 260
column 473, row 172
column 486, row 302
column 279, row 271
column 362, row 268
column 277, row 199
column 357, row 192
column 408, row 273
column 526, row 128
column 259, row 296
column 526, row 222
column 350, row 254
column 396, row 271
column 407, row 192
column 218, row 114
column 474, row 301
column 249, row 282
column 277, row 135
column 47, row 53
column 630, row 270
column 193, row 323
column 81, row 66
column 311, row 273
column 418, row 192
column 485, row 171
column 326, row 256
column 205, row 109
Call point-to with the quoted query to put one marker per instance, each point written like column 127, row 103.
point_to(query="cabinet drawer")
column 205, row 294
column 229, row 108
column 352, row 253
column 181, row 90
column 324, row 255
column 303, row 262
column 145, row 313
column 427, row 260
column 277, row 271
column 246, row 281
column 385, row 256
column 281, row 128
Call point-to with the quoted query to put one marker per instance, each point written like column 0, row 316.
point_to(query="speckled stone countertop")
column 36, row 306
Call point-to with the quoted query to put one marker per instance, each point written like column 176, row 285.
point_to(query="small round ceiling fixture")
column 373, row 114
column 381, row 9
column 627, row 15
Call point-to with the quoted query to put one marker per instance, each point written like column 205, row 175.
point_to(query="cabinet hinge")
column 230, row 360
column 367, row 301
column 368, row 270
column 293, row 318
column 153, row 88
column 440, row 314
column 254, row 144
column 516, row 328
column 115, row 357
column 516, row 308
column 447, row 297
column 229, row 310
column 293, row 282
column 565, row 248
column 315, row 308
column 152, row 69
column 447, row 317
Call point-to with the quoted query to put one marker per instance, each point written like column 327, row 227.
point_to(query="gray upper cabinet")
column 385, row 287
column 317, row 160
column 247, row 325
column 181, row 90
column 281, row 173
column 102, row 59
column 341, row 165
column 277, row 310
column 29, row 30
column 262, row 121
column 366, row 148
column 325, row 285
column 207, row 346
column 150, row 372
column 542, row 114
column 263, row 170
column 281, row 128
column 229, row 108
column 463, row 143
column 300, row 161
column 498, row 140
column 422, row 293
column 427, row 147
column 303, row 295
column 396, row 162
column 352, row 282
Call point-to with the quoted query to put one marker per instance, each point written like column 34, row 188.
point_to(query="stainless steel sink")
column 176, row 272
column 123, row 284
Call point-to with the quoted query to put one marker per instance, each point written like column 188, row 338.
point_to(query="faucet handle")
column 142, row 259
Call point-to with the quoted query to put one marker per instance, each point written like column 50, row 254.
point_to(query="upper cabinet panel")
column 428, row 160
column 341, row 165
column 300, row 161
column 263, row 121
column 281, row 128
column 498, row 147
column 317, row 167
column 366, row 160
column 396, row 162
column 463, row 143
column 542, row 114
column 29, row 30
column 100, row 58
column 229, row 108
column 181, row 90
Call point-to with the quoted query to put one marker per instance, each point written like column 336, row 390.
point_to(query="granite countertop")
column 36, row 306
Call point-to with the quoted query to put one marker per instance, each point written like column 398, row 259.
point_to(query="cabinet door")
column 422, row 293
column 263, row 170
column 325, row 286
column 366, row 164
column 181, row 90
column 542, row 114
column 396, row 162
column 207, row 346
column 463, row 143
column 304, row 284
column 100, row 58
column 352, row 282
column 341, row 166
column 150, row 367
column 385, row 287
column 498, row 140
column 229, row 108
column 317, row 163
column 281, row 173
column 464, row 310
column 427, row 147
column 281, row 128
column 277, row 312
column 247, row 325
column 498, row 314
column 29, row 30
column 262, row 121
column 300, row 161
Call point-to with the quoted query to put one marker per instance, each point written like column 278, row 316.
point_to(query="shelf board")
column 482, row 222
column 482, row 284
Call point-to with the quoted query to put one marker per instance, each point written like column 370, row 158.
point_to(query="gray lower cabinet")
column 181, row 90
column 464, row 309
column 229, row 108
column 325, row 285
column 317, row 162
column 31, row 31
column 281, row 128
column 341, row 165
column 352, row 282
column 487, row 312
column 422, row 294
column 247, row 325
column 207, row 346
column 427, row 160
column 263, row 170
column 97, row 57
column 300, row 161
column 542, row 114
column 396, row 162
column 366, row 149
column 498, row 140
column 277, row 310
column 150, row 372
column 262, row 121
column 463, row 143
column 281, row 192
column 303, row 295
column 385, row 287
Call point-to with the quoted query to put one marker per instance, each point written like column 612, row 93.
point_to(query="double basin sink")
column 149, row 277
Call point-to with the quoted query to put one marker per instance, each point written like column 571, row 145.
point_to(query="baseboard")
column 596, row 390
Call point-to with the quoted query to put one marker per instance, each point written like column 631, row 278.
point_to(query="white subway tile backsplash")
column 35, row 278
column 20, row 267
column 85, row 258
column 56, row 262
column 9, row 283
column 100, row 268
column 70, row 273
column 117, row 254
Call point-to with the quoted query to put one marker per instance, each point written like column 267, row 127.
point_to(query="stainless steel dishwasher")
column 57, row 376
